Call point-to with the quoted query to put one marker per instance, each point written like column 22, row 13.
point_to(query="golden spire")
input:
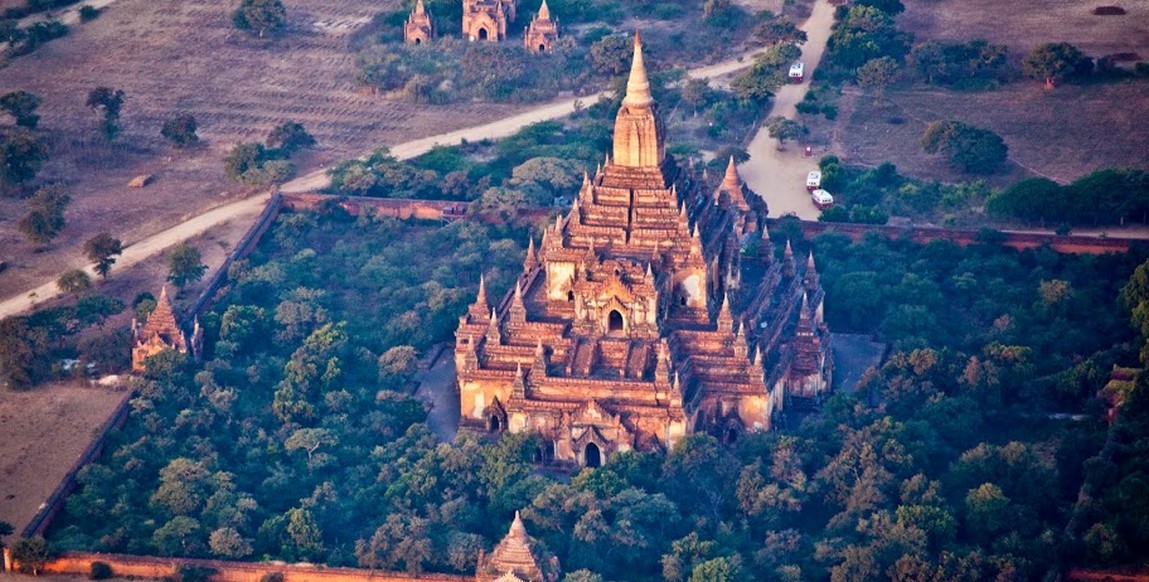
column 544, row 12
column 637, row 86
column 419, row 7
column 732, row 179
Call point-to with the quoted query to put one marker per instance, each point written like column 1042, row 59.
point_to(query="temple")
column 542, row 32
column 516, row 559
column 418, row 29
column 161, row 332
column 486, row 20
column 630, row 326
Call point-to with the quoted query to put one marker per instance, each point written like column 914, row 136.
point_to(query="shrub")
column 1109, row 11
column 100, row 571
column 272, row 577
column 88, row 13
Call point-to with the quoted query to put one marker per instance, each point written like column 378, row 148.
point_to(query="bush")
column 968, row 148
column 1109, row 11
column 272, row 577
column 88, row 13
column 100, row 571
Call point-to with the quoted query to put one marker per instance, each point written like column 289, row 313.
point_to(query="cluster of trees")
column 260, row 17
column 967, row 148
column 45, row 217
column 22, row 41
column 958, row 64
column 296, row 439
column 864, row 32
column 32, row 346
column 259, row 164
column 107, row 102
column 1112, row 196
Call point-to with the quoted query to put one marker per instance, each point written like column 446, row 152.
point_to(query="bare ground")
column 1024, row 25
column 1060, row 134
column 44, row 431
column 185, row 57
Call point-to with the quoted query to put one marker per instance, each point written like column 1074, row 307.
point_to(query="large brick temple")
column 630, row 325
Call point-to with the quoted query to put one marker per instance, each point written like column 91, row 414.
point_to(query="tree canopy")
column 967, row 148
column 260, row 17
column 1053, row 63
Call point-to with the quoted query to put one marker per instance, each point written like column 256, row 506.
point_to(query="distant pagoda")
column 419, row 28
column 160, row 331
column 542, row 31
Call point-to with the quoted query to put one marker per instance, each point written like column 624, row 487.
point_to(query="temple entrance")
column 614, row 321
column 418, row 41
column 482, row 34
column 542, row 48
column 592, row 455
column 731, row 435
column 494, row 425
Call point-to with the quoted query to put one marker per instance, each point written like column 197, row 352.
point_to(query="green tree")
column 21, row 105
column 1029, row 199
column 108, row 102
column 309, row 440
column 304, row 535
column 696, row 94
column 260, row 16
column 185, row 265
column 103, row 249
column 718, row 570
column 776, row 29
column 180, row 130
column 21, row 155
column 75, row 282
column 891, row 7
column 402, row 540
column 180, row 536
column 226, row 542
column 783, row 129
column 31, row 554
column 45, row 218
column 969, row 149
column 611, row 55
column 877, row 74
column 1053, row 63
column 289, row 137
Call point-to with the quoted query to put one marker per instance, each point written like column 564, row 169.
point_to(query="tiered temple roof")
column 161, row 331
column 629, row 326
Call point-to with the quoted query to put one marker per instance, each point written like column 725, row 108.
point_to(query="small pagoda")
column 517, row 559
column 419, row 29
column 542, row 32
column 159, row 332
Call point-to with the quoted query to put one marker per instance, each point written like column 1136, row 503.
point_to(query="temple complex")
column 516, row 559
column 161, row 332
column 631, row 326
column 542, row 32
column 418, row 29
column 486, row 20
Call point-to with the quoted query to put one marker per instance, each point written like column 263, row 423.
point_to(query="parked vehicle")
column 822, row 199
column 797, row 72
column 813, row 180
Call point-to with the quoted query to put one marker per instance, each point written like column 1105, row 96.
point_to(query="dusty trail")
column 249, row 208
column 779, row 176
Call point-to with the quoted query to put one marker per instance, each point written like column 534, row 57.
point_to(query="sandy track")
column 780, row 176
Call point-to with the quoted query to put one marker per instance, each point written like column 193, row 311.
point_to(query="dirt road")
column 780, row 176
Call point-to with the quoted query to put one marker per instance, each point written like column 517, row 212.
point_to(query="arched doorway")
column 731, row 435
column 614, row 321
column 418, row 41
column 483, row 34
column 542, row 48
column 494, row 424
column 592, row 455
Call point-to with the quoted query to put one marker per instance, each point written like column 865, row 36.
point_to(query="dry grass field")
column 1024, row 25
column 1060, row 134
column 171, row 57
column 44, row 431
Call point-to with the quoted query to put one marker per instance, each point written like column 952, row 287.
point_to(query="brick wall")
column 148, row 567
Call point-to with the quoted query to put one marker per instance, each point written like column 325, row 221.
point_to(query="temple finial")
column 544, row 11
column 637, row 85
column 732, row 179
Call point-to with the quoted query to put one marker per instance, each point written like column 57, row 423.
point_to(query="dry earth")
column 171, row 57
column 1060, row 134
column 42, row 432
column 1024, row 25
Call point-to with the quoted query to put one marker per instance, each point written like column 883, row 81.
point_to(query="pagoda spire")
column 810, row 280
column 544, row 14
column 518, row 311
column 419, row 9
column 732, row 180
column 725, row 319
column 493, row 334
column 478, row 309
column 532, row 259
column 788, row 269
column 540, row 364
column 637, row 85
column 519, row 388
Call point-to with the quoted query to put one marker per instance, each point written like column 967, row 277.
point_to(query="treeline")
column 33, row 347
column 1103, row 197
column 297, row 438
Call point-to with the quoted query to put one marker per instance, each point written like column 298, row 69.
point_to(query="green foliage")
column 768, row 73
column 45, row 218
column 289, row 137
column 21, row 155
column 783, row 129
column 260, row 17
column 969, row 149
column 100, row 571
column 102, row 249
column 108, row 102
column 180, row 130
column 31, row 554
column 25, row 41
column 864, row 33
column 1053, row 63
column 89, row 13
column 877, row 74
column 185, row 265
column 1114, row 196
column 776, row 29
column 955, row 64
column 22, row 105
column 253, row 164
column 74, row 281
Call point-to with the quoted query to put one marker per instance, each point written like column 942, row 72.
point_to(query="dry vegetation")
column 173, row 57
column 44, row 431
column 1061, row 134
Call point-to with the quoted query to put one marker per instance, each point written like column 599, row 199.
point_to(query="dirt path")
column 197, row 225
column 437, row 390
column 780, row 176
